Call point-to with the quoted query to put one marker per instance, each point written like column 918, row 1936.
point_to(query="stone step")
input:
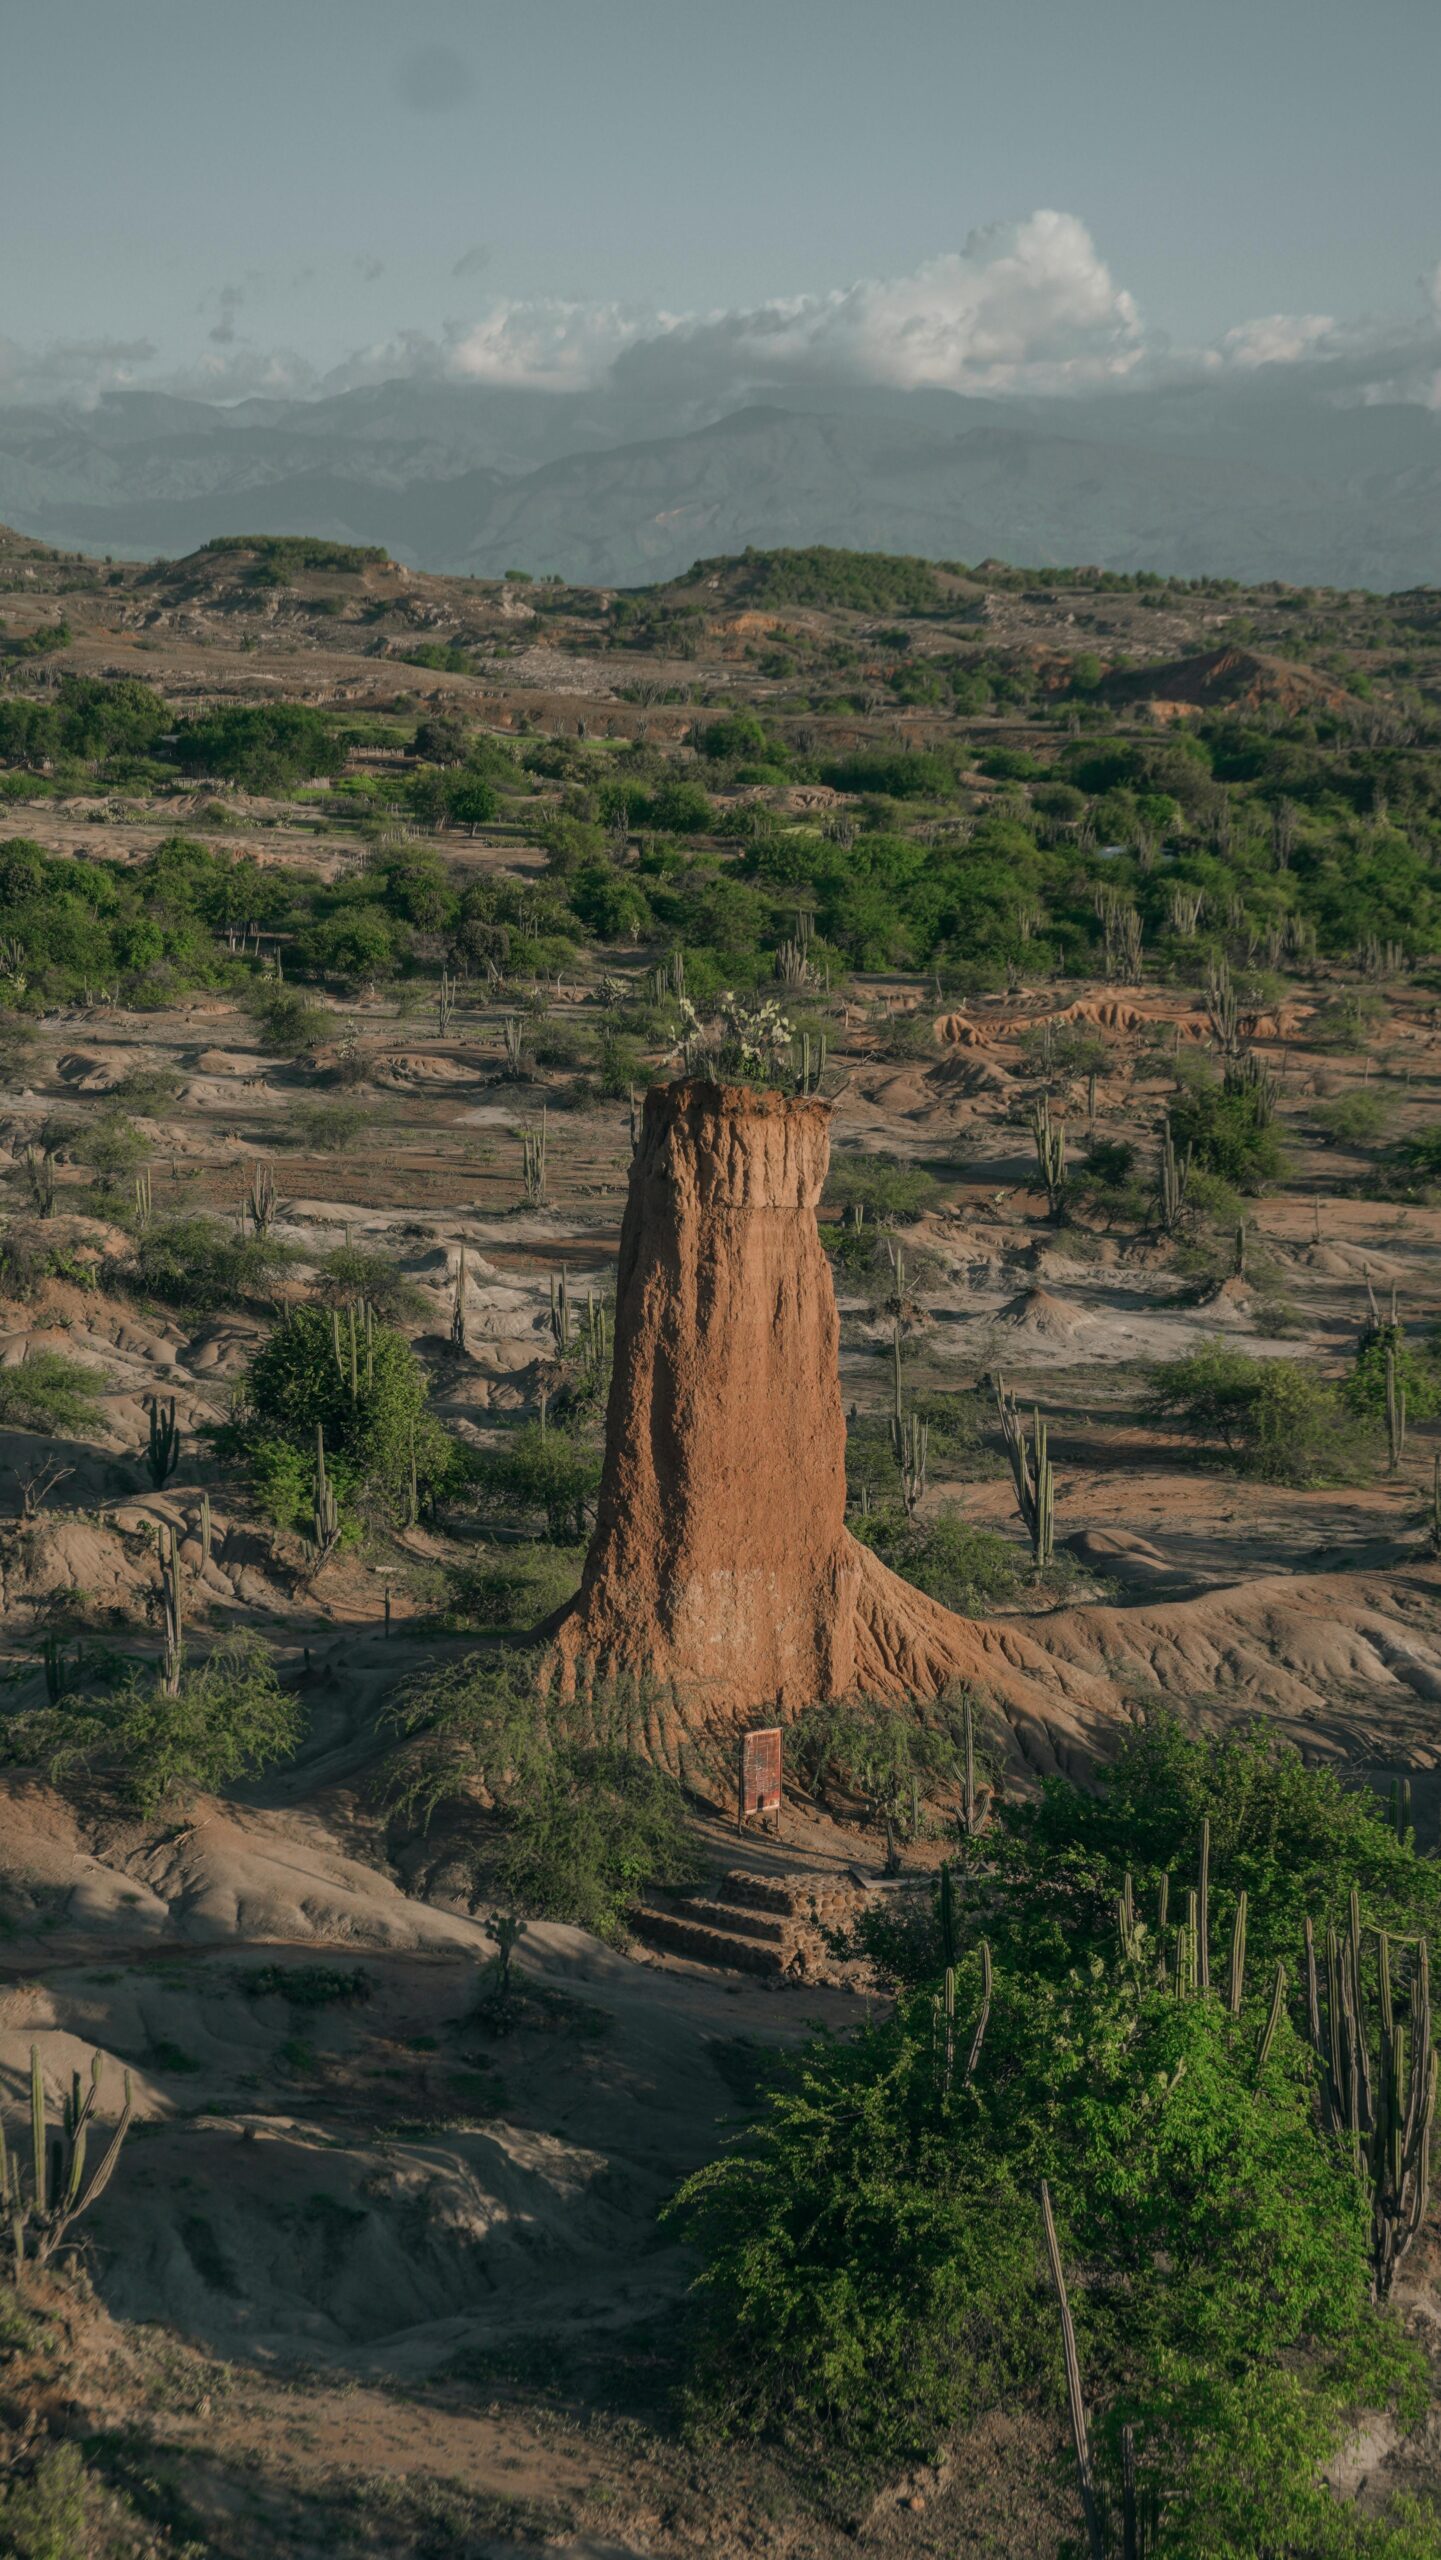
column 687, row 1935
column 798, row 1897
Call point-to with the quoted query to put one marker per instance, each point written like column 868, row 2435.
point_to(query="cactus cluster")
column 1382, row 2109
column 37, row 2213
column 1173, row 1181
column 1031, row 1473
column 162, row 1451
column 353, row 1346
column 262, row 1200
column 533, row 1161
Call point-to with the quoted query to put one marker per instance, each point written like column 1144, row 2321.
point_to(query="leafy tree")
column 268, row 747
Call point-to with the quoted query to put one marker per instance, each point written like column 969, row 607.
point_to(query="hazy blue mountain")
column 1253, row 479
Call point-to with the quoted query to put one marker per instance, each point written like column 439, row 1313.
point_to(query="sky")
column 1033, row 194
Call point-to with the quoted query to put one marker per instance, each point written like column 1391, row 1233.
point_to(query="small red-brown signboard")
column 761, row 1773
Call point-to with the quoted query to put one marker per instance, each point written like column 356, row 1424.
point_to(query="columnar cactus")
column 35, row 2217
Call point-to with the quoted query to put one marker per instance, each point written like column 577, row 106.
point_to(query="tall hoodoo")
column 721, row 1564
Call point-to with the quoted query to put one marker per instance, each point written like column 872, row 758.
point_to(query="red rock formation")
column 721, row 1564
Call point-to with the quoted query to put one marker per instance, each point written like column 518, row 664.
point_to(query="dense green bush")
column 1228, row 1133
column 194, row 1261
column 585, row 1817
column 874, row 2275
column 368, row 1396
column 229, row 1719
column 882, row 1186
column 47, row 1392
column 266, row 747
column 1274, row 1417
column 540, row 1471
column 964, row 1567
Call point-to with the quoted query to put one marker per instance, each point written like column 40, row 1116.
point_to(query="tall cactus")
column 1173, row 1181
column 1050, row 1144
column 1383, row 2113
column 1031, row 1474
column 324, row 1510
column 262, row 1200
column 1395, row 1409
column 162, row 1452
column 36, row 2219
column 457, row 1310
column 172, row 1611
column 533, row 1161
column 560, row 1311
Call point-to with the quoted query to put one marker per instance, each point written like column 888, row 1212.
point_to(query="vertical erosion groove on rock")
column 721, row 1566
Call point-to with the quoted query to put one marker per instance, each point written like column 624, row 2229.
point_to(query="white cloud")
column 1024, row 306
column 1029, row 307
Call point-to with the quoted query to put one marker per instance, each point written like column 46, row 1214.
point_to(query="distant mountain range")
column 1256, row 479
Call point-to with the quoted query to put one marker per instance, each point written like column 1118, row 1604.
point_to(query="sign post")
column 760, row 1776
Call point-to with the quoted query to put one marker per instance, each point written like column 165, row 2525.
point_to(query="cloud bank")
column 1026, row 308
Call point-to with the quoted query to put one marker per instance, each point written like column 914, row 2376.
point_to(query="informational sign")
column 760, row 1788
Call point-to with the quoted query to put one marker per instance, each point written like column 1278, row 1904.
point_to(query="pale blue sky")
column 318, row 175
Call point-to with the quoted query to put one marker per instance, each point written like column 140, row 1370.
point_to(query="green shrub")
column 229, row 1720
column 874, row 2274
column 54, row 2514
column 586, row 1819
column 47, row 1392
column 1294, row 1839
column 1228, row 1134
column 307, row 1986
column 543, row 1471
column 287, row 1021
column 966, row 1568
column 371, row 1408
column 509, row 1590
column 323, row 1128
column 110, row 1147
column 354, row 1274
column 883, row 1186
column 1421, row 1154
column 148, row 1089
column 1274, row 1417
column 1360, row 1118
column 868, row 1751
column 197, row 1263
column 1416, row 1370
